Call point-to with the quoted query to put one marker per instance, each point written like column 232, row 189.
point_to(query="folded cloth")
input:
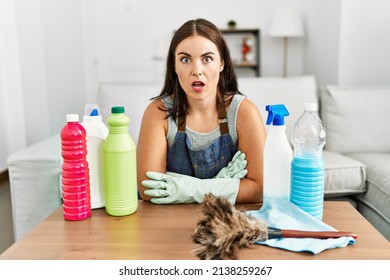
column 283, row 214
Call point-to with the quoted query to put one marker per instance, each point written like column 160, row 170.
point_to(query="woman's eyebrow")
column 208, row 53
column 184, row 53
column 205, row 54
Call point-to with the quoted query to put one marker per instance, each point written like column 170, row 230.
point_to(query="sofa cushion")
column 134, row 97
column 344, row 175
column 377, row 196
column 355, row 118
column 293, row 92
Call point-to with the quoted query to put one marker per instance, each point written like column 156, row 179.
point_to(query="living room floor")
column 6, row 224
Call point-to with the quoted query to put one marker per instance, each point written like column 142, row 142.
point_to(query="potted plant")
column 231, row 24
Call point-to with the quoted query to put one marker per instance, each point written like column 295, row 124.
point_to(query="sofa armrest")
column 35, row 174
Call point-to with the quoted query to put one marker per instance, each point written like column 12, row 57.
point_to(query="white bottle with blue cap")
column 277, row 156
column 97, row 133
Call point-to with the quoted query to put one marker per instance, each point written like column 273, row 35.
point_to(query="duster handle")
column 277, row 233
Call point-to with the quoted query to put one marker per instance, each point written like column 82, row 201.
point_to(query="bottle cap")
column 91, row 110
column 310, row 107
column 276, row 114
column 118, row 110
column 72, row 118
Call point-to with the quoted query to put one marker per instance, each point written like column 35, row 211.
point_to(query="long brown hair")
column 227, row 84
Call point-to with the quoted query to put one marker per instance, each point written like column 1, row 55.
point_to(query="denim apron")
column 205, row 163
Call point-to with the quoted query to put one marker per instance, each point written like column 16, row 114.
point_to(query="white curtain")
column 12, row 120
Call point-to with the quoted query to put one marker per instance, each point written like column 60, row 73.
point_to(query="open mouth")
column 197, row 85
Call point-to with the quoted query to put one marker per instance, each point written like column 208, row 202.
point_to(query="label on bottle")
column 307, row 185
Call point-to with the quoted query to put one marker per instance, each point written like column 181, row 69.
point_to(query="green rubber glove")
column 236, row 168
column 168, row 189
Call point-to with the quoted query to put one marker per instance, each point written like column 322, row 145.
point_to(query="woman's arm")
column 152, row 148
column 251, row 139
column 152, row 144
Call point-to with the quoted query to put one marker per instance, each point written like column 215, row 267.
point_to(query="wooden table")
column 164, row 232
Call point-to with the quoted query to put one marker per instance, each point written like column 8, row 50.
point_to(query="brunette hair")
column 227, row 84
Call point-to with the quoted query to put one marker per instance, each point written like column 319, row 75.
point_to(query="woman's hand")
column 236, row 167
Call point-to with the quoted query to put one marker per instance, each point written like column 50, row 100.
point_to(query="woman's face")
column 197, row 65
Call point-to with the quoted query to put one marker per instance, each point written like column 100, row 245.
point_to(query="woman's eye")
column 207, row 59
column 185, row 60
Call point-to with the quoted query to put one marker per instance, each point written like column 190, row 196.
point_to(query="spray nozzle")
column 276, row 114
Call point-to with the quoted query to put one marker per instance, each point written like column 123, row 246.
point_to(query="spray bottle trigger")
column 270, row 117
column 276, row 114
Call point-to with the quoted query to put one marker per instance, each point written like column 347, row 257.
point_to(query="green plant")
column 232, row 23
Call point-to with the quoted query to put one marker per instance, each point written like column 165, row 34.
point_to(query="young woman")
column 200, row 135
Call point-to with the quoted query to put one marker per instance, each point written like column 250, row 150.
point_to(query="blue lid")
column 91, row 110
column 276, row 114
column 94, row 113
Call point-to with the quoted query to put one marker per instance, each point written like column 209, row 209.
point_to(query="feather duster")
column 220, row 234
column 224, row 230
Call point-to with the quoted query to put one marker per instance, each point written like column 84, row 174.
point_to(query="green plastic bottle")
column 120, row 168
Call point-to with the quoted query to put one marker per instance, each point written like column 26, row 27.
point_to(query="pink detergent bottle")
column 75, row 171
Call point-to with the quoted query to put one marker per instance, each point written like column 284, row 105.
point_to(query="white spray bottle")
column 277, row 156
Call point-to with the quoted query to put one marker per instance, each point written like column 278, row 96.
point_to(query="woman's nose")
column 197, row 69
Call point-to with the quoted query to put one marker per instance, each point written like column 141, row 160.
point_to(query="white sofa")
column 357, row 124
column 35, row 171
